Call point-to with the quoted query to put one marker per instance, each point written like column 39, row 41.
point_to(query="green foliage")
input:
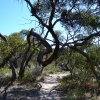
column 51, row 69
column 76, row 89
column 91, row 20
column 5, row 71
column 31, row 74
column 72, row 82
column 81, row 79
column 94, row 52
column 75, row 17
column 13, row 48
column 94, row 95
column 16, row 42
column 79, row 93
column 5, row 76
column 28, row 77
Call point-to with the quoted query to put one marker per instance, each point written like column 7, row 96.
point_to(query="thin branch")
column 88, row 59
column 52, row 12
column 3, row 37
column 34, row 14
column 85, row 39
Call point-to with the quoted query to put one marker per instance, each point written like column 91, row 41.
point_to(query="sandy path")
column 49, row 85
column 47, row 92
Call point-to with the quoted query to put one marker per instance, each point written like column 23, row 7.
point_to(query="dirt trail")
column 47, row 92
column 49, row 87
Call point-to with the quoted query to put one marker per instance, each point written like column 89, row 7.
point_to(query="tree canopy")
column 66, row 31
column 79, row 18
column 80, row 21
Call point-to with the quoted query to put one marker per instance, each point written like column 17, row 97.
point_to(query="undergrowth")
column 77, row 90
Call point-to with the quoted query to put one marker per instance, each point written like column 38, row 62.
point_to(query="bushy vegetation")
column 78, row 47
column 81, row 80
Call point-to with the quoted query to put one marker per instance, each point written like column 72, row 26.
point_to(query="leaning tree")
column 79, row 19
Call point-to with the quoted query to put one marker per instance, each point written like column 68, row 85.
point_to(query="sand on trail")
column 50, row 81
column 49, row 87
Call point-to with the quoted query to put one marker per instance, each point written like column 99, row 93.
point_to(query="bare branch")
column 3, row 37
column 88, row 59
column 84, row 41
column 52, row 12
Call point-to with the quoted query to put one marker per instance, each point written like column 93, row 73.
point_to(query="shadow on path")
column 46, row 92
